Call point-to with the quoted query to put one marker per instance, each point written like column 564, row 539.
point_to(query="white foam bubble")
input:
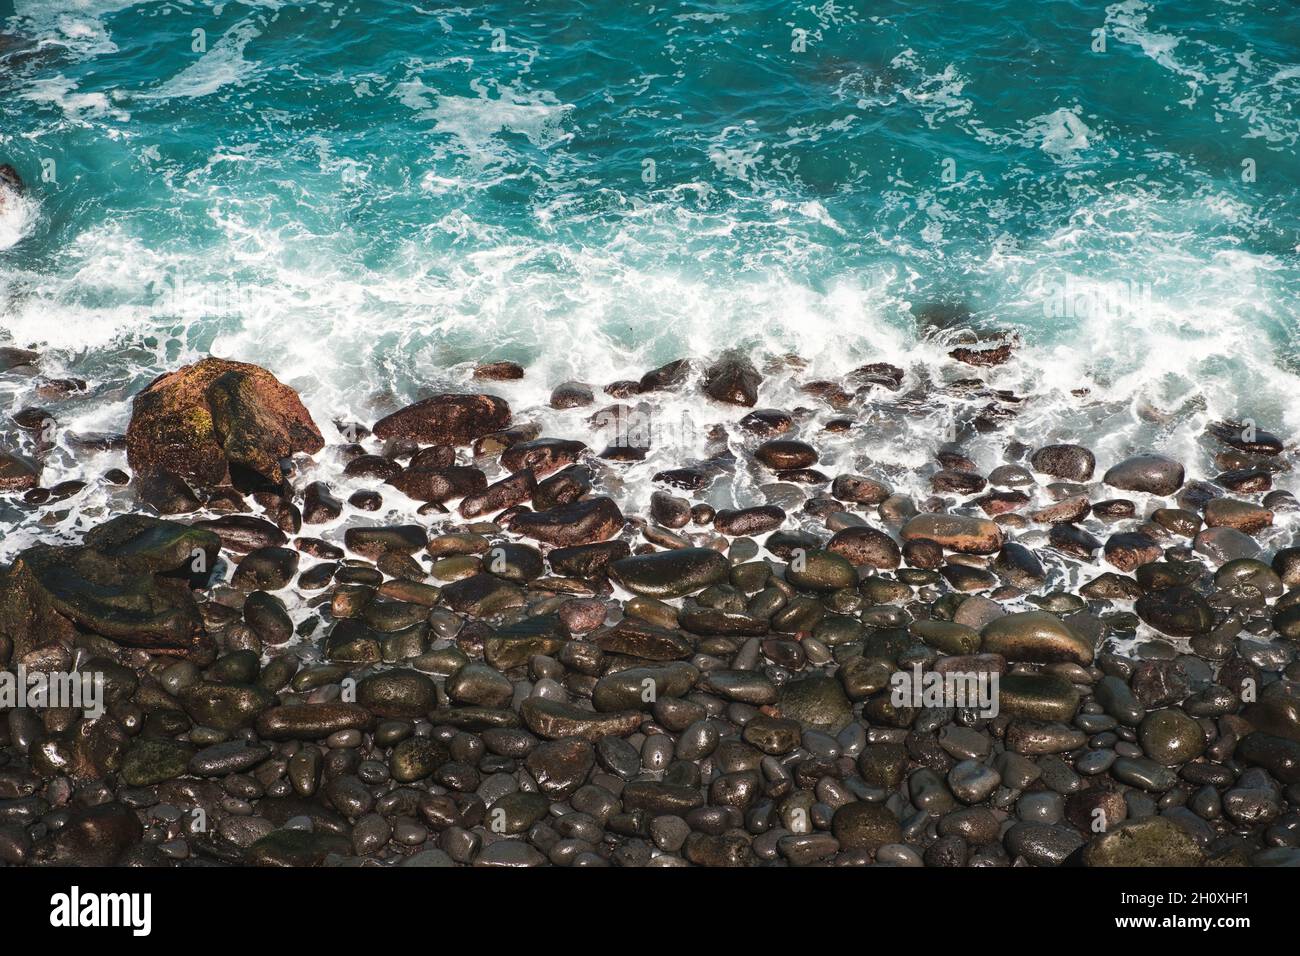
column 17, row 215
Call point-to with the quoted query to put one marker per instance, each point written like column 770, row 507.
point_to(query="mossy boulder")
column 215, row 424
column 129, row 582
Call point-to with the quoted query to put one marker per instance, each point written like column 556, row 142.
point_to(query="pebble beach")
column 487, row 655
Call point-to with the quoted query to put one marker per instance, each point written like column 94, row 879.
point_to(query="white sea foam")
column 224, row 64
column 61, row 92
column 1237, row 89
column 17, row 215
column 360, row 343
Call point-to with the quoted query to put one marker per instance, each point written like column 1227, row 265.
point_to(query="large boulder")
column 129, row 582
column 214, row 424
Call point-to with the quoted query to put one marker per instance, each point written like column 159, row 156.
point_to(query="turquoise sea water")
column 367, row 197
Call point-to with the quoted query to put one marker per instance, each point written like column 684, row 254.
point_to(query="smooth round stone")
column 479, row 685
column 1225, row 544
column 397, row 693
column 1248, row 572
column 820, row 744
column 149, row 761
column 960, row 533
column 560, row 767
column 866, row 546
column 784, row 454
column 964, row 743
column 1277, row 711
column 927, row 791
column 898, row 854
column 818, row 703
column 234, row 756
column 553, row 719
column 1068, row 462
column 293, row 847
column 818, row 570
column 619, row 757
column 1151, row 474
column 976, row 611
column 1144, row 774
column 883, row 765
column 409, row 833
column 1286, row 564
column 1170, row 737
column 515, row 812
column 512, row 854
column 266, row 615
column 1042, row 844
column 719, row 850
column 416, row 758
column 1252, row 806
column 1095, row 761
column 1041, row 806
column 977, row 825
column 1036, row 637
column 1040, row 696
column 972, row 782
column 772, row 735
column 804, row 849
column 1034, row 737
column 639, row 687
column 1117, row 699
column 669, row 833
column 670, row 574
column 748, row 687
column 865, row 826
column 947, row 636
column 1178, row 612
column 1011, row 476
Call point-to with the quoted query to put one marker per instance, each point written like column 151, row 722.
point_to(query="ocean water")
column 370, row 197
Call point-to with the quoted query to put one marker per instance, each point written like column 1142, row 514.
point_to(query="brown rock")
column 1242, row 515
column 18, row 474
column 733, row 380
column 499, row 372
column 956, row 532
column 447, row 419
column 217, row 422
column 582, row 522
column 506, row 493
column 866, row 546
column 440, row 484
